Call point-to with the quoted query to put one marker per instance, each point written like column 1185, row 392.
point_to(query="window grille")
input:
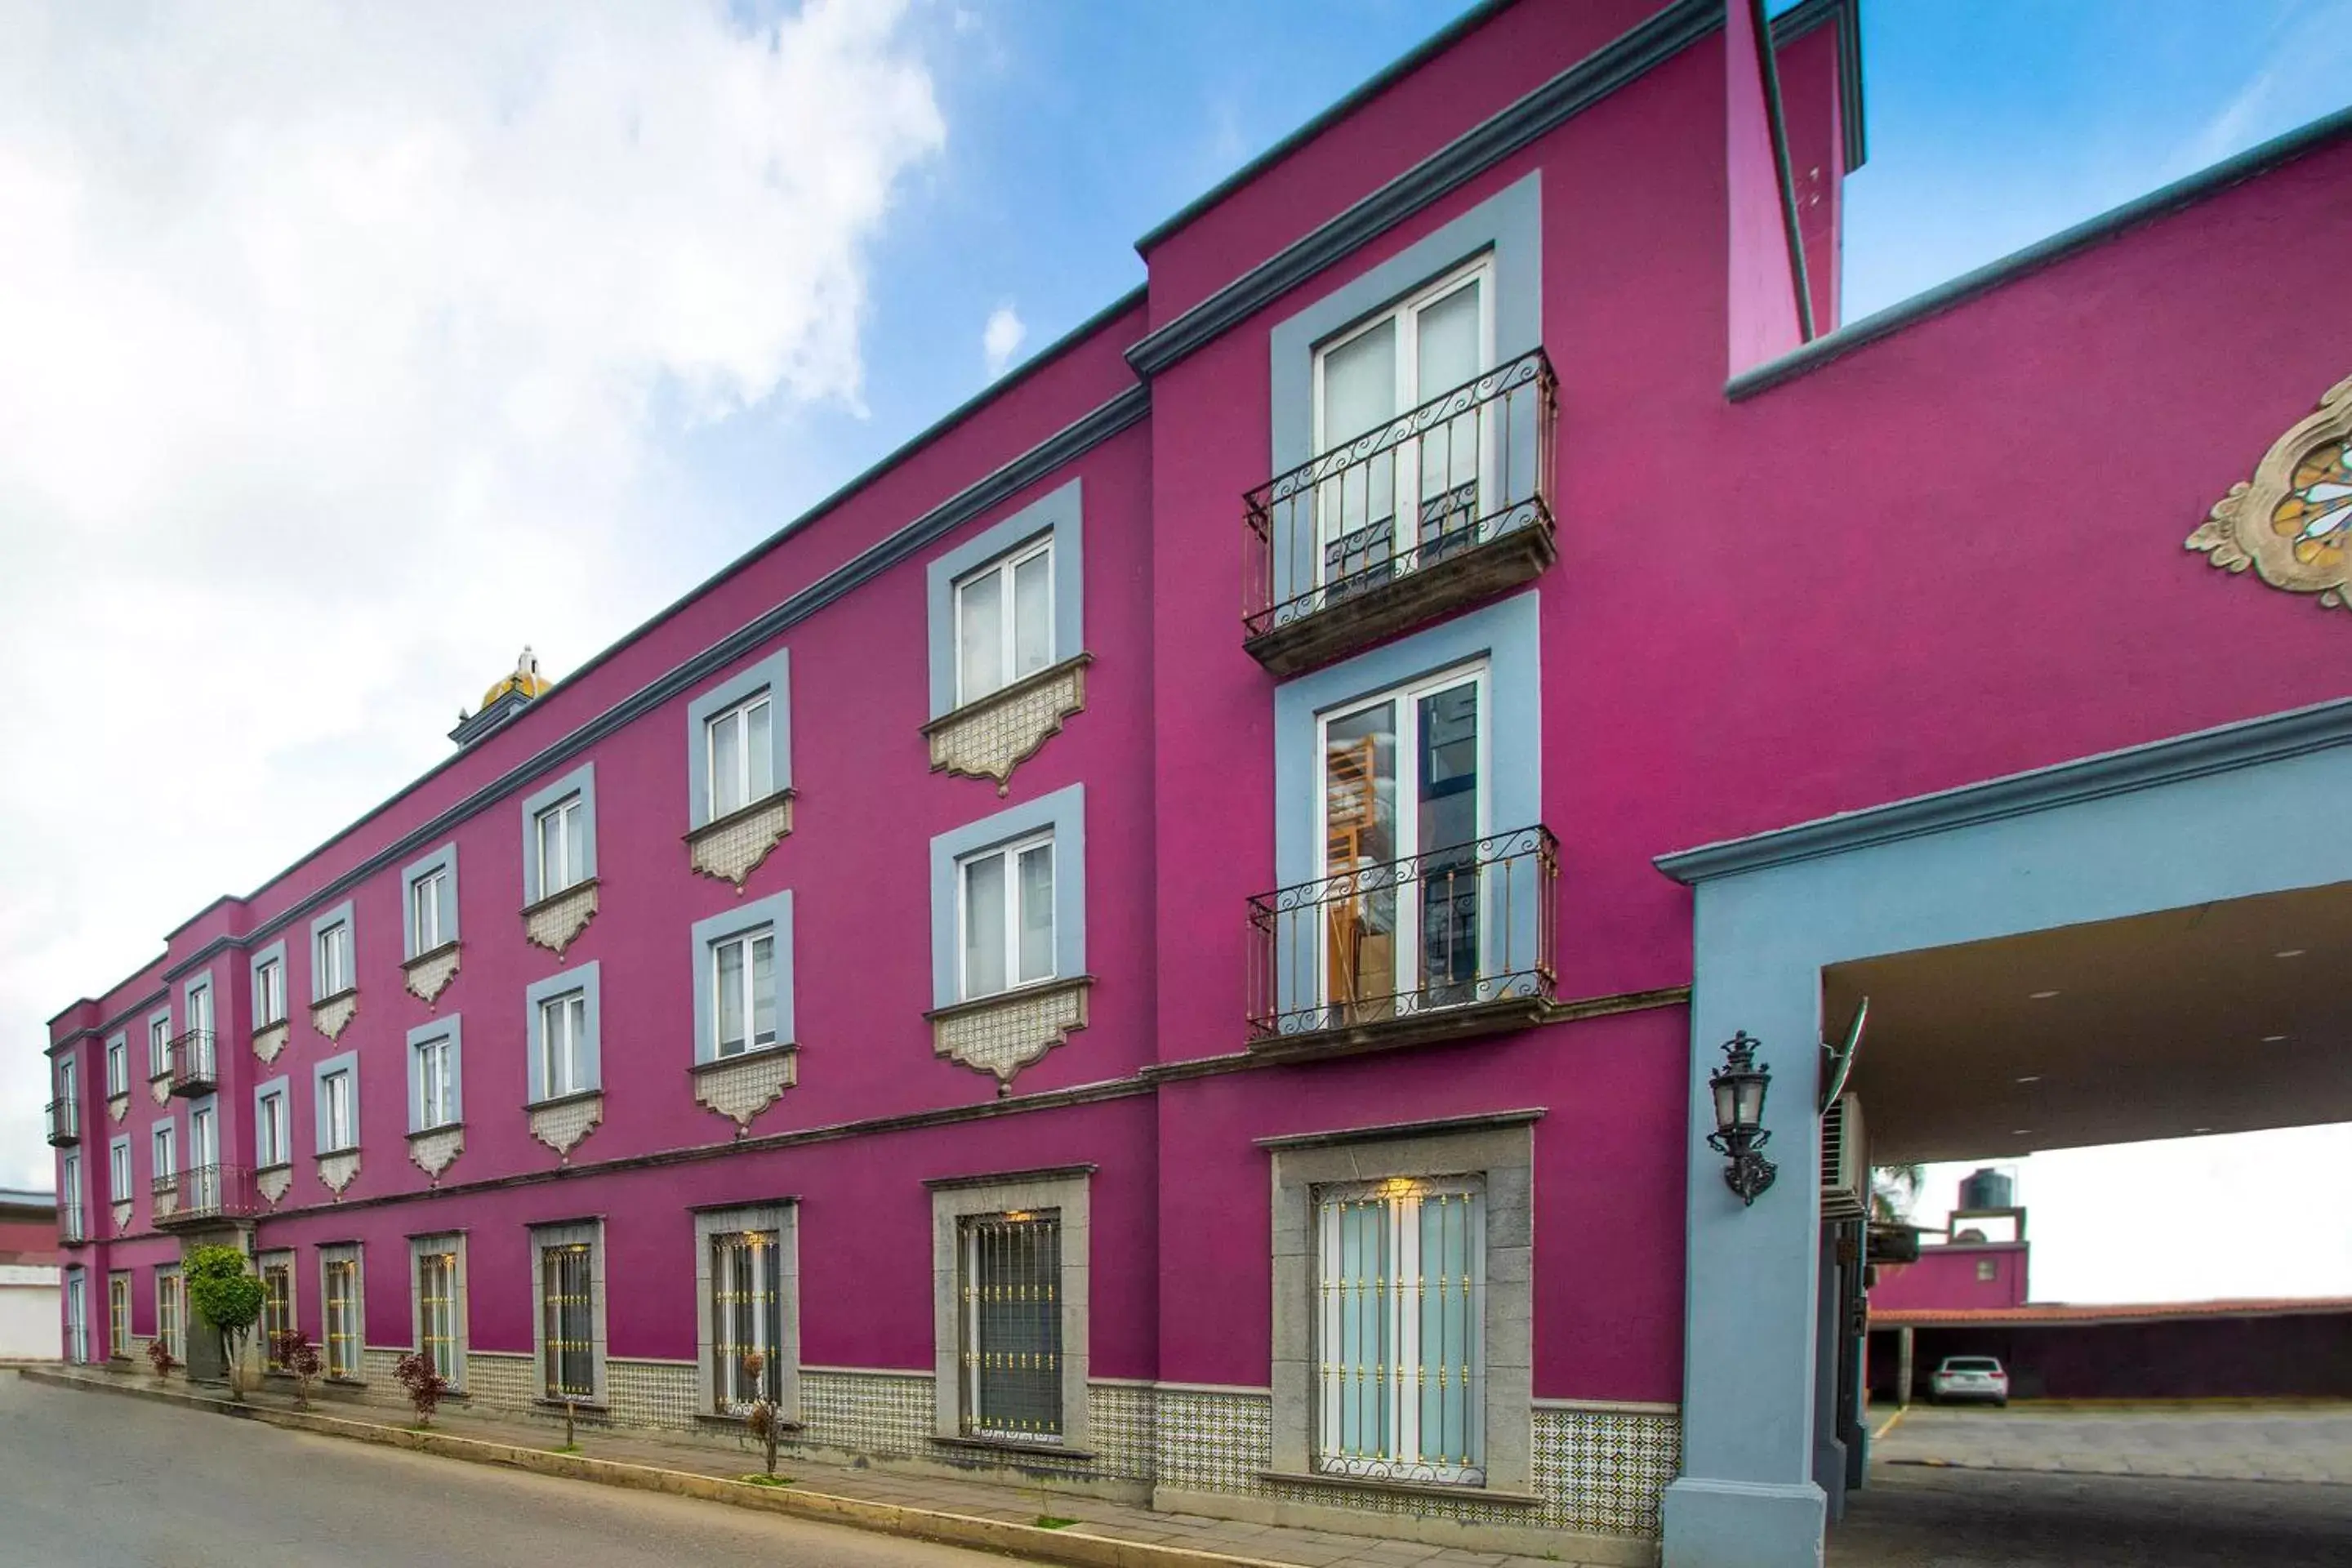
column 1399, row 1321
column 436, row 1311
column 747, row 1319
column 567, row 1276
column 1012, row 1290
column 76, row 1320
column 277, row 1309
column 167, row 1315
column 344, row 1333
column 118, row 1316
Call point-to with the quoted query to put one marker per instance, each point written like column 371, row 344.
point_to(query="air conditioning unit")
column 1846, row 1161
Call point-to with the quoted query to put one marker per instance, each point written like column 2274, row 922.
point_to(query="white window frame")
column 330, row 954
column 1008, row 630
column 272, row 1130
column 559, row 815
column 1009, row 852
column 69, row 1198
column 159, row 1047
column 164, row 1150
column 424, row 933
column 571, row 1051
column 739, row 715
column 355, row 1305
column 118, row 1067
column 1407, row 740
column 1404, row 313
column 336, row 1105
column 118, row 1171
column 745, row 941
column 437, row 1093
column 269, row 993
column 171, row 1310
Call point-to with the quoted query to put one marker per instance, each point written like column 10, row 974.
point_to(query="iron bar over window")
column 345, row 1331
column 1400, row 1320
column 1011, row 1310
column 746, row 1321
column 437, row 1312
column 277, row 1309
column 567, row 1283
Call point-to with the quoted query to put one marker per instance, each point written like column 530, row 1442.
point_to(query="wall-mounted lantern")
column 1739, row 1085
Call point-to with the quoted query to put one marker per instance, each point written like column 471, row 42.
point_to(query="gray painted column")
column 1747, row 1498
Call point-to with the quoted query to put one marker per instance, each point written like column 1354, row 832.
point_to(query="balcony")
column 65, row 1123
column 1336, row 562
column 71, row 1230
column 209, row 1193
column 1459, row 941
column 194, row 1064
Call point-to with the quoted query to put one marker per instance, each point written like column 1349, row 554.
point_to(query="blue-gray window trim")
column 348, row 1062
column 121, row 1040
column 339, row 915
column 1508, row 635
column 1057, row 513
column 170, row 1119
column 1064, row 811
column 774, row 910
column 453, row 1029
column 163, row 1015
column 772, row 675
column 1508, row 225
column 585, row 977
column 281, row 1085
column 200, row 981
column 274, row 953
column 582, row 782
column 442, row 859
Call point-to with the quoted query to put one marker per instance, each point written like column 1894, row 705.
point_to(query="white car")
column 1970, row 1377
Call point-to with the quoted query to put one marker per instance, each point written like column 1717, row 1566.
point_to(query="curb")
column 1975, row 1467
column 1062, row 1546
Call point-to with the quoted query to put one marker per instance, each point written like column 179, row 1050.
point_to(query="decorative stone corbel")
column 332, row 1014
column 1001, row 1035
column 731, row 848
column 991, row 736
column 118, row 1106
column 428, row 973
column 433, row 1152
column 560, row 1124
column 270, row 1039
column 739, row 1088
column 554, row 923
column 339, row 1171
column 274, row 1183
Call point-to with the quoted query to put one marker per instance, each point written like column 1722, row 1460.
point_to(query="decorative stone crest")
column 333, row 1015
column 167, row 1201
column 1002, row 1035
column 740, row 1087
column 428, row 975
column 731, row 848
column 122, row 1217
column 339, row 1171
column 118, row 1106
column 432, row 1153
column 2292, row 522
column 561, row 1125
column 270, row 1039
column 991, row 737
column 160, row 1088
column 555, row 923
column 275, row 1183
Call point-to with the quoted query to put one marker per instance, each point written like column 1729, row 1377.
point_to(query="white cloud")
column 999, row 340
column 341, row 347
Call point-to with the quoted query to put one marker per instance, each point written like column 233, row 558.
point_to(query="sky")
column 344, row 350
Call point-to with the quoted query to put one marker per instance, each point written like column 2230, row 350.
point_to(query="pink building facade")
column 1068, row 1029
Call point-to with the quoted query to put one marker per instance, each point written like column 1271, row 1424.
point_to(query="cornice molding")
column 2249, row 744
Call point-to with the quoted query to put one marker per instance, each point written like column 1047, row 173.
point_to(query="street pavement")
column 92, row 1482
column 1912, row 1517
column 2253, row 1444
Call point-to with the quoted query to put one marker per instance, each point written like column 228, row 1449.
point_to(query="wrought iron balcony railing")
column 213, row 1193
column 1444, row 505
column 169, row 1182
column 72, row 1231
column 195, row 1068
column 65, row 1123
column 1459, row 940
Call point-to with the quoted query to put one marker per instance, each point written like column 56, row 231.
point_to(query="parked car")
column 1970, row 1377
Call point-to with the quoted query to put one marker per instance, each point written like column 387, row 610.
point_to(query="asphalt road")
column 94, row 1481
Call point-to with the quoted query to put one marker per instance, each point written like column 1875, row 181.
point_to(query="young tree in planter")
column 228, row 1298
column 425, row 1386
column 292, row 1349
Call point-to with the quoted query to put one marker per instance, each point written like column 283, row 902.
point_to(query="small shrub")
column 425, row 1386
column 292, row 1349
column 766, row 1422
column 1054, row 1522
column 159, row 1357
column 757, row 1480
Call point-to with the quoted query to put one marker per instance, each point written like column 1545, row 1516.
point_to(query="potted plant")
column 425, row 1386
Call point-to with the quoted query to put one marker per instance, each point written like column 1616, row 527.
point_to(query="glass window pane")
column 980, row 634
column 1359, row 384
column 1033, row 615
column 730, row 959
column 1449, row 342
column 758, row 752
column 763, row 991
column 983, row 926
column 575, row 842
column 1037, row 912
column 726, row 763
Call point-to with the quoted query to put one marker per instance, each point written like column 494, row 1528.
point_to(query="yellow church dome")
column 525, row 679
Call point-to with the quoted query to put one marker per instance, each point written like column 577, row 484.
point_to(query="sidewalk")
column 990, row 1517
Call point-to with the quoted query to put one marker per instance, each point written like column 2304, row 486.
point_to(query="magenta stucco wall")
column 1944, row 1279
